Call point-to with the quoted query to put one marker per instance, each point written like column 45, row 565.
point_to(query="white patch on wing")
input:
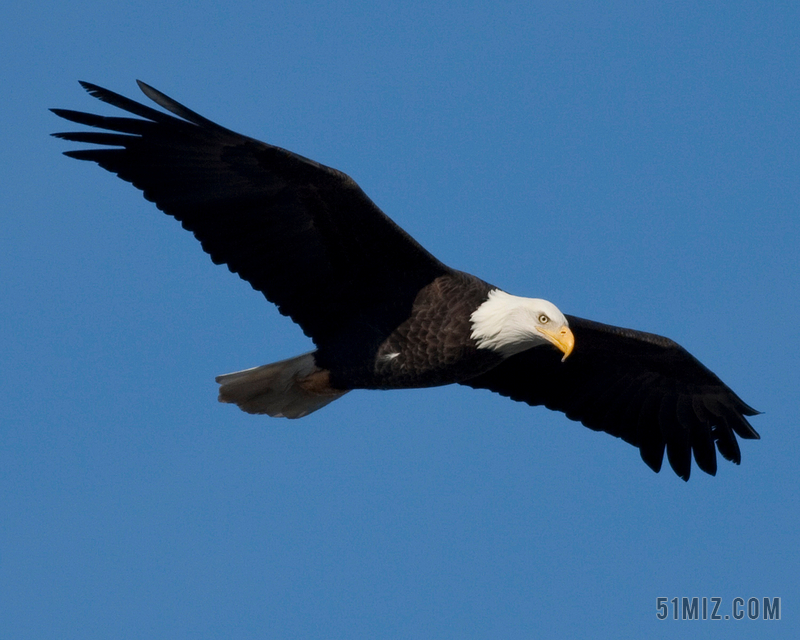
column 389, row 356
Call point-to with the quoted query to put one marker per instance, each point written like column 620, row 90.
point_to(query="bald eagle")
column 384, row 313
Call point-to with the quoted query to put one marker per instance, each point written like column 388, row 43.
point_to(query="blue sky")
column 635, row 163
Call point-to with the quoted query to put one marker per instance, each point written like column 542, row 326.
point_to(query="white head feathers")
column 511, row 324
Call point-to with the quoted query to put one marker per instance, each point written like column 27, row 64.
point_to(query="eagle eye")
column 544, row 319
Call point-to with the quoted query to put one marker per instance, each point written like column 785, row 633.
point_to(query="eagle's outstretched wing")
column 643, row 388
column 303, row 234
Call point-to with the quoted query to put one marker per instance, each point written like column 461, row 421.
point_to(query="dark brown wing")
column 303, row 234
column 643, row 388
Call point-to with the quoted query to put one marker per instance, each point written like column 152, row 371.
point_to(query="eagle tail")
column 290, row 388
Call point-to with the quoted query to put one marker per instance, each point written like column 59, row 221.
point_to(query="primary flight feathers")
column 383, row 312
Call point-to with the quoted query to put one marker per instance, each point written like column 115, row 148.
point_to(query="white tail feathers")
column 290, row 388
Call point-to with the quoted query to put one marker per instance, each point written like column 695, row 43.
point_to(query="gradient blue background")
column 636, row 163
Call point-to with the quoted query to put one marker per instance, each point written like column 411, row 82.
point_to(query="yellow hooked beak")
column 561, row 338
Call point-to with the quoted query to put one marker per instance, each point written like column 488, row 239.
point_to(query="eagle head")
column 511, row 324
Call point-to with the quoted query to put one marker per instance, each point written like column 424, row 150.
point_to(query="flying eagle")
column 382, row 311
